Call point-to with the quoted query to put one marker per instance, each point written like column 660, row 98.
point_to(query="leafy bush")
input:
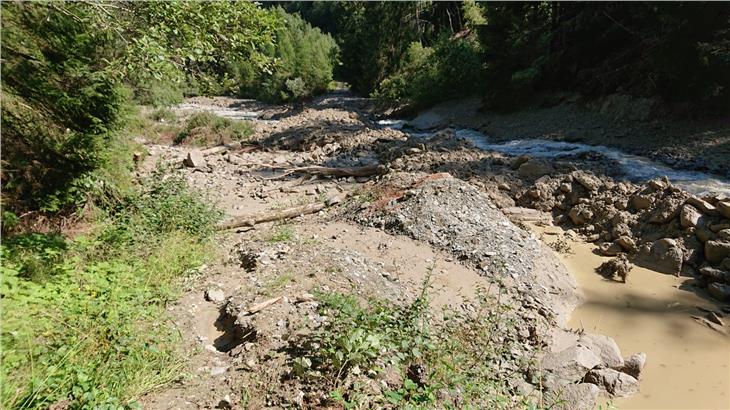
column 83, row 319
column 206, row 128
column 304, row 62
column 451, row 68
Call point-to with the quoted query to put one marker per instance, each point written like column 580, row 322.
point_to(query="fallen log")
column 214, row 150
column 270, row 216
column 365, row 171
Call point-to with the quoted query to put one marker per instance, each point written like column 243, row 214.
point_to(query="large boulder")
column 581, row 396
column 716, row 251
column 605, row 347
column 571, row 364
column 195, row 159
column 634, row 364
column 689, row 216
column 664, row 255
column 613, row 382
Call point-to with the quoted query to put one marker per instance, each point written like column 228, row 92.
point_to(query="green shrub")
column 427, row 75
column 206, row 128
column 459, row 353
column 60, row 103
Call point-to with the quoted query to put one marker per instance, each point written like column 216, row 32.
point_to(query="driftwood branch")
column 263, row 305
column 365, row 171
column 270, row 216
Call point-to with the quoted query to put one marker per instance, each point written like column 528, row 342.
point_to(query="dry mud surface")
column 470, row 219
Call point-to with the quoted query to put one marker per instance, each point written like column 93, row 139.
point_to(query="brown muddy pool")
column 688, row 364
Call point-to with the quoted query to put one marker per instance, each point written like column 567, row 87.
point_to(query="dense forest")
column 74, row 75
column 70, row 68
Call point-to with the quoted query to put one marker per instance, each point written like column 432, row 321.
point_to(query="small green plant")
column 282, row 233
column 84, row 318
column 163, row 114
column 448, row 360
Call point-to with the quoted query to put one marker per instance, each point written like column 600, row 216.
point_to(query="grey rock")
column 689, row 216
column 215, row 295
column 723, row 207
column 195, row 159
column 517, row 162
column 581, row 396
column 723, row 235
column 589, row 181
column 218, row 370
column 716, row 251
column 626, row 243
column 610, row 249
column 640, row 201
column 634, row 364
column 719, row 291
column 664, row 256
column 725, row 264
column 534, row 169
column 704, row 234
column 572, row 363
column 579, row 215
column 605, row 347
column 711, row 275
column 613, row 382
column 426, row 120
column 665, row 211
column 702, row 205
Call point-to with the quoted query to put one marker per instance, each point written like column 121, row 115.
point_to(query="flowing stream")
column 633, row 167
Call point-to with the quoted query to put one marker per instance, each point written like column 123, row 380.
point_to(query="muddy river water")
column 688, row 364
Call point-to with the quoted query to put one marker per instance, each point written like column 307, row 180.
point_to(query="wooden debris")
column 711, row 325
column 270, row 216
column 263, row 305
column 365, row 171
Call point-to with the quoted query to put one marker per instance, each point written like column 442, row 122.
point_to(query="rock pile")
column 656, row 224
